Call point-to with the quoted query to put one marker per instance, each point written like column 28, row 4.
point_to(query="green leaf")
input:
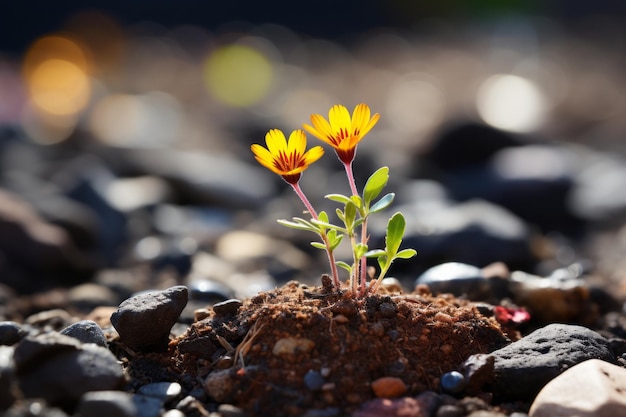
column 322, row 225
column 357, row 201
column 342, row 264
column 395, row 232
column 383, row 262
column 383, row 203
column 406, row 254
column 340, row 198
column 375, row 253
column 350, row 215
column 335, row 242
column 299, row 225
column 375, row 184
column 323, row 217
column 318, row 245
column 340, row 215
column 359, row 250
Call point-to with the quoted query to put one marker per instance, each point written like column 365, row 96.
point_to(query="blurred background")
column 125, row 130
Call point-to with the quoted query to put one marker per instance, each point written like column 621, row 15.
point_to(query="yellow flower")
column 341, row 131
column 286, row 158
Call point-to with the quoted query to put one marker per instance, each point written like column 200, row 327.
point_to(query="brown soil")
column 257, row 356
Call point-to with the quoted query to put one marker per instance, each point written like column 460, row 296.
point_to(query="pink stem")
column 329, row 252
column 362, row 269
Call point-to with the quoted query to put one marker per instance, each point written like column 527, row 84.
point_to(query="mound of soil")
column 298, row 348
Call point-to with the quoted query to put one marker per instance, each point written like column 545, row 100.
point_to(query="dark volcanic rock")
column 60, row 369
column 524, row 367
column 145, row 320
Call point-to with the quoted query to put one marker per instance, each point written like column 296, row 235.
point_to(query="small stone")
column 165, row 391
column 11, row 333
column 145, row 320
column 453, row 382
column 86, row 331
column 220, row 385
column 173, row 413
column 229, row 410
column 147, row 406
column 7, row 375
column 593, row 388
column 106, row 404
column 292, row 345
column 388, row 387
column 227, row 307
column 449, row 410
column 314, row 380
column 424, row 404
column 54, row 319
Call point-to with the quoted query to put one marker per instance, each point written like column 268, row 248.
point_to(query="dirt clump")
column 298, row 348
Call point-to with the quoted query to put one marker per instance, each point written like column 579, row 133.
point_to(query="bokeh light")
column 511, row 103
column 238, row 75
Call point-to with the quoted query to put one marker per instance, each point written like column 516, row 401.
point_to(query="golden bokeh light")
column 59, row 87
column 238, row 75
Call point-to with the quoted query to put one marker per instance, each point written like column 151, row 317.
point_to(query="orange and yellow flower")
column 342, row 131
column 286, row 158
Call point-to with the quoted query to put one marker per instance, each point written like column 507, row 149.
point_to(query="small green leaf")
column 360, row 249
column 323, row 217
column 406, row 254
column 318, row 245
column 383, row 262
column 395, row 232
column 335, row 242
column 340, row 198
column 350, row 215
column 383, row 203
column 322, row 225
column 300, row 226
column 340, row 215
column 342, row 264
column 375, row 253
column 375, row 184
column 357, row 201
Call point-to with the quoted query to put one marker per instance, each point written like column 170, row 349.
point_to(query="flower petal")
column 339, row 118
column 321, row 129
column 313, row 155
column 296, row 143
column 360, row 117
column 276, row 141
column 264, row 157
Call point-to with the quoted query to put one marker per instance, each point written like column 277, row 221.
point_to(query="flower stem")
column 361, row 266
column 329, row 252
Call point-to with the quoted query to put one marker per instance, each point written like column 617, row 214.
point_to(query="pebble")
column 314, row 380
column 86, row 331
column 525, row 366
column 60, row 369
column 220, row 385
column 11, row 333
column 453, row 382
column 593, row 388
column 465, row 280
column 7, row 376
column 165, row 391
column 148, row 406
column 145, row 320
column 107, row 404
column 229, row 410
column 449, row 410
column 388, row 387
column 289, row 346
column 228, row 307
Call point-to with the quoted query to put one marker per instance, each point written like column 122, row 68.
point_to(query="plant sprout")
column 290, row 158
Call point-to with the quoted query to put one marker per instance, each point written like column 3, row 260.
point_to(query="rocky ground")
column 145, row 281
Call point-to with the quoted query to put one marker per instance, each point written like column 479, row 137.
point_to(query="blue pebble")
column 453, row 382
column 314, row 380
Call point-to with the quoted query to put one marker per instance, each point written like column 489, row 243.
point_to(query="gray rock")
column 86, row 331
column 11, row 333
column 145, row 320
column 165, row 391
column 524, row 367
column 106, row 404
column 148, row 406
column 60, row 370
column 7, row 377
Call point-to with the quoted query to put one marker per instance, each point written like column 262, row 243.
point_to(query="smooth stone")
column 86, row 331
column 388, row 387
column 525, row 366
column 148, row 406
column 229, row 410
column 314, row 380
column 145, row 320
column 7, row 377
column 227, row 307
column 86, row 297
column 593, row 388
column 165, row 391
column 462, row 279
column 60, row 369
column 11, row 333
column 107, row 404
column 453, row 382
